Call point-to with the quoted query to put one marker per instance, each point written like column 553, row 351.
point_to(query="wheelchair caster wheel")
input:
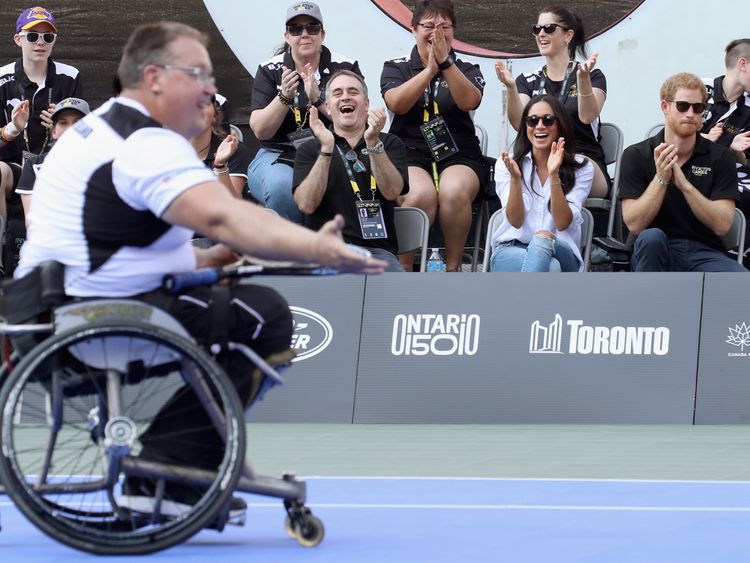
column 309, row 531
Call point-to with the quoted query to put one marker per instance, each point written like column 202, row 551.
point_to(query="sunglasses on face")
column 296, row 29
column 548, row 28
column 351, row 156
column 33, row 36
column 547, row 120
column 682, row 107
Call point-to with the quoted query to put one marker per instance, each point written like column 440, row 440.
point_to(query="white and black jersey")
column 63, row 81
column 99, row 199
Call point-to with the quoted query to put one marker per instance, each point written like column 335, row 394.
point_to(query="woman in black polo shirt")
column 432, row 93
column 580, row 87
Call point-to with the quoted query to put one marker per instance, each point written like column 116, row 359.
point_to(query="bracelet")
column 324, row 153
column 217, row 164
column 220, row 172
column 377, row 148
column 447, row 63
column 285, row 100
column 580, row 95
column 9, row 132
column 662, row 181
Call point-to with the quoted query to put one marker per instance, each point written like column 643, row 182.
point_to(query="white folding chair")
column 412, row 232
column 735, row 238
column 587, row 234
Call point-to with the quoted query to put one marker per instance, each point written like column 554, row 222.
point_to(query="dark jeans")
column 654, row 252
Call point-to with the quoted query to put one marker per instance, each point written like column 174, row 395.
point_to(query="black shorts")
column 422, row 158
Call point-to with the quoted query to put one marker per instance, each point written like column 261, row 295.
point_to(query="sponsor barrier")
column 723, row 388
column 516, row 348
column 319, row 387
column 519, row 348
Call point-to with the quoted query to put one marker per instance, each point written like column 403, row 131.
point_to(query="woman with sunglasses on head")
column 580, row 87
column 432, row 94
column 542, row 188
column 284, row 89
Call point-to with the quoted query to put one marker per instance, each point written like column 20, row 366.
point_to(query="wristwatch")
column 447, row 63
column 376, row 149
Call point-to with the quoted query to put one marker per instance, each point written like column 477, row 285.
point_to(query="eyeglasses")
column 429, row 27
column 296, row 29
column 549, row 28
column 200, row 73
column 682, row 107
column 33, row 36
column 547, row 120
column 351, row 156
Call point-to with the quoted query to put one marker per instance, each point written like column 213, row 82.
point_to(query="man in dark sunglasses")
column 29, row 90
column 679, row 189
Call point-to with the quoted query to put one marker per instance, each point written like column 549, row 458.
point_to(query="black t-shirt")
column 711, row 170
column 339, row 196
column 267, row 85
column 587, row 136
column 736, row 116
column 460, row 123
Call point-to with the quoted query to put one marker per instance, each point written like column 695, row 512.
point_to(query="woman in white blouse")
column 542, row 188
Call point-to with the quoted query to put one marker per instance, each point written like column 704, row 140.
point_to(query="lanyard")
column 426, row 117
column 31, row 112
column 298, row 114
column 352, row 182
column 563, row 96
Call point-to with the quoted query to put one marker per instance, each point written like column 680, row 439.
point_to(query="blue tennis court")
column 375, row 519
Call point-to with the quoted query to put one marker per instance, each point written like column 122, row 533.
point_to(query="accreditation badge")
column 439, row 138
column 300, row 136
column 371, row 222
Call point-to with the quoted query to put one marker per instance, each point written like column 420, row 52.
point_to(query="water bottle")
column 435, row 263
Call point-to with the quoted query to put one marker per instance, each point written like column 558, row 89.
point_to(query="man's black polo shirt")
column 710, row 169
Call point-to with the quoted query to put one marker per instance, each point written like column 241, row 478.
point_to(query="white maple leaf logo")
column 739, row 336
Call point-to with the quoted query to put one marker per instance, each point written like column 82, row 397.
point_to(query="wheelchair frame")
column 73, row 326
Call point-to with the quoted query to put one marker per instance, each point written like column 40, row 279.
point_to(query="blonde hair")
column 682, row 80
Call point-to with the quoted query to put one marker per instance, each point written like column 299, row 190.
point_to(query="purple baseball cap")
column 33, row 16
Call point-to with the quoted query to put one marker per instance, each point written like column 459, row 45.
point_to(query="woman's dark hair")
column 217, row 124
column 569, row 20
column 522, row 144
column 443, row 8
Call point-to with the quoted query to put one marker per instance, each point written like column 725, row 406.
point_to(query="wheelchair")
column 83, row 386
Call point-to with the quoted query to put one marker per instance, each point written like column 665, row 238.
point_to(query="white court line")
column 560, row 507
column 520, row 479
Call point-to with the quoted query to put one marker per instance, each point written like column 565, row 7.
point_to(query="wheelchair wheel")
column 120, row 438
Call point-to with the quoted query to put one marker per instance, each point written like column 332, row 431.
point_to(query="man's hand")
column 46, row 117
column 715, row 132
column 227, row 148
column 321, row 132
column 329, row 249
column 741, row 142
column 20, row 115
column 665, row 158
column 375, row 124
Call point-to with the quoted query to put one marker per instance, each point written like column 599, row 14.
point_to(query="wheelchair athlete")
column 117, row 202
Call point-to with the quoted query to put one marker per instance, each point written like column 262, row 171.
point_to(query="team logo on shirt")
column 700, row 170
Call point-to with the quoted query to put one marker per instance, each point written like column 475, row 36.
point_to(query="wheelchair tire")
column 57, row 447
